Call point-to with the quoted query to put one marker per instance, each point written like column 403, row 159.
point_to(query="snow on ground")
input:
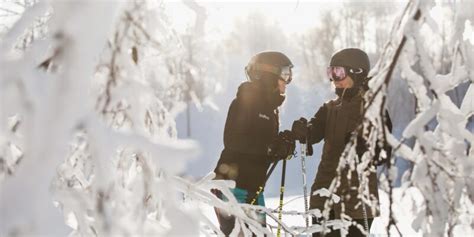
column 408, row 200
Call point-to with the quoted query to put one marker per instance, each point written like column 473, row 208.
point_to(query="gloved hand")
column 282, row 147
column 300, row 130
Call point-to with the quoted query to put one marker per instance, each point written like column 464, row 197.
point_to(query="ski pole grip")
column 299, row 128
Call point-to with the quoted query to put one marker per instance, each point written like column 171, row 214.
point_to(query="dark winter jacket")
column 334, row 122
column 251, row 125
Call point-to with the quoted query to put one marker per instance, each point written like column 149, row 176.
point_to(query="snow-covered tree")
column 96, row 96
column 87, row 120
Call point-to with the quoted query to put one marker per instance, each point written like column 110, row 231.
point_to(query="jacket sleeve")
column 317, row 125
column 240, row 134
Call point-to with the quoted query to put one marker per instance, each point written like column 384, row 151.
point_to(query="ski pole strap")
column 260, row 189
column 282, row 191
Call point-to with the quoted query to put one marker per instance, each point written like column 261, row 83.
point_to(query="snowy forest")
column 112, row 113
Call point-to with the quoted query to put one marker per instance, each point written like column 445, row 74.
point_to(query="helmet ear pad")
column 358, row 76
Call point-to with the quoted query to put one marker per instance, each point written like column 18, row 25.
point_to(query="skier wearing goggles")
column 251, row 138
column 334, row 123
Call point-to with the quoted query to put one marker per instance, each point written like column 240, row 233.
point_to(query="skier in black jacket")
column 335, row 122
column 251, row 138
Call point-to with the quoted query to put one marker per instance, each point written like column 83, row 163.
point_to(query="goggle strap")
column 272, row 69
column 359, row 70
column 267, row 68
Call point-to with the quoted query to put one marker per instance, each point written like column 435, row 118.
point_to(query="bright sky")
column 292, row 16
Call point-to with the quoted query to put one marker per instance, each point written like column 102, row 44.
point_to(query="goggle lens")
column 286, row 74
column 336, row 73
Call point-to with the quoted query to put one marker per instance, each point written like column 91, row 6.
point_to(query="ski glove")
column 300, row 130
column 282, row 147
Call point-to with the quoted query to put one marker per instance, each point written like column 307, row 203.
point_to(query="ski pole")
column 305, row 189
column 364, row 210
column 260, row 189
column 282, row 191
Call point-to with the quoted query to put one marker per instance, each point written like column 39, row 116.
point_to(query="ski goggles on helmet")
column 336, row 73
column 284, row 72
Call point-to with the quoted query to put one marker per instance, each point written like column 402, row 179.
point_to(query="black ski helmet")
column 269, row 62
column 356, row 60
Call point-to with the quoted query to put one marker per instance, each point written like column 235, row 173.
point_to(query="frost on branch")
column 102, row 86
